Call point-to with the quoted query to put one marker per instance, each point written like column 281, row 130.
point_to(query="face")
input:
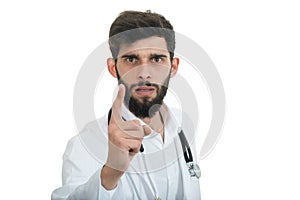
column 144, row 67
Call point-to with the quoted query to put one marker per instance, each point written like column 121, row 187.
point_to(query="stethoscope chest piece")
column 194, row 169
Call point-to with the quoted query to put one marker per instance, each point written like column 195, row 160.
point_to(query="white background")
column 254, row 44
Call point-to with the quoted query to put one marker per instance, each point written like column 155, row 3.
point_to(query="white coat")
column 160, row 171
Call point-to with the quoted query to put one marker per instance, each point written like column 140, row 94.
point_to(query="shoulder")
column 91, row 139
column 174, row 113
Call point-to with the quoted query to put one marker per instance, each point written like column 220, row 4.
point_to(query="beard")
column 145, row 107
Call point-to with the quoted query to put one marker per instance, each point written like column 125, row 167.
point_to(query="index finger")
column 117, row 105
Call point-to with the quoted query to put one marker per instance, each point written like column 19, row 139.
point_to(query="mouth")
column 145, row 90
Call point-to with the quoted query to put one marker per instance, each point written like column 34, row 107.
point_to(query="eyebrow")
column 137, row 56
column 130, row 55
column 158, row 55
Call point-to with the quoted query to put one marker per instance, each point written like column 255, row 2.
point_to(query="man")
column 138, row 140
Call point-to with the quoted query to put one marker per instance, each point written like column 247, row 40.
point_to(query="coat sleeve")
column 80, row 176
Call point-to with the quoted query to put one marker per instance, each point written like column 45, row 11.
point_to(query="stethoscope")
column 193, row 168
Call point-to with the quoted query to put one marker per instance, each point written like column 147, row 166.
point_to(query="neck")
column 156, row 123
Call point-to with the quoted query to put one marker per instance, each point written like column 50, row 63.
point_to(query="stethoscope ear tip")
column 179, row 129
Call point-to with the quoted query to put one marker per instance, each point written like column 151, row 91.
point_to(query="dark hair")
column 131, row 26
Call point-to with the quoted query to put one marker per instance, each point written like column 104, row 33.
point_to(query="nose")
column 144, row 73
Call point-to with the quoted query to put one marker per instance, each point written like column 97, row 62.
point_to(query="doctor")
column 138, row 139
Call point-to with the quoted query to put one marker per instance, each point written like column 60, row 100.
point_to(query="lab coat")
column 160, row 171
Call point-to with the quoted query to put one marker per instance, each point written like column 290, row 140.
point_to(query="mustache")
column 144, row 83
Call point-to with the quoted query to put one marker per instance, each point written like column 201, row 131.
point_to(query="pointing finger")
column 117, row 105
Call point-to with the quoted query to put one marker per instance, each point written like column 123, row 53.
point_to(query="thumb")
column 147, row 130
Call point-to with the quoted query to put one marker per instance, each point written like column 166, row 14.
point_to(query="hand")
column 124, row 141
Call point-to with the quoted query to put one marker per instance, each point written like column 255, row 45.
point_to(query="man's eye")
column 156, row 59
column 131, row 59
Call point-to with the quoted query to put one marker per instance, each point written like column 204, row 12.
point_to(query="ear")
column 175, row 63
column 111, row 67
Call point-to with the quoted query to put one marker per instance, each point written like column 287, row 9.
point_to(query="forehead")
column 151, row 44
